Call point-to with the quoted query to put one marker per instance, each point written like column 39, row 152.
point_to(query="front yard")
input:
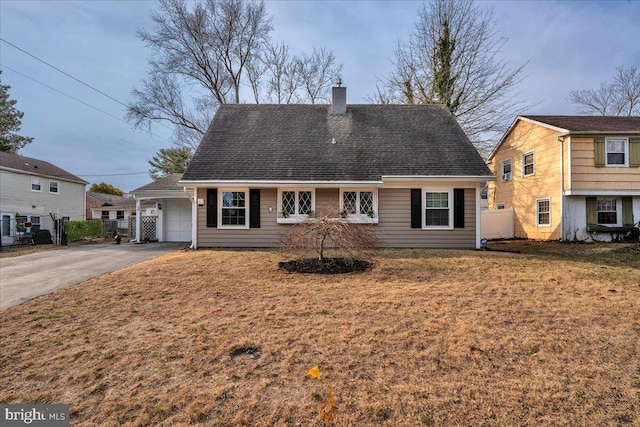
column 549, row 337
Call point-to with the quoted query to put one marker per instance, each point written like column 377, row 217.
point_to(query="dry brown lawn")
column 549, row 337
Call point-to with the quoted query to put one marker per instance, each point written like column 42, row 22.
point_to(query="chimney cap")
column 339, row 81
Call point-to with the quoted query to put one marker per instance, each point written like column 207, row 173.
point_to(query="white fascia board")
column 602, row 193
column 437, row 178
column 275, row 184
column 160, row 194
column 513, row 125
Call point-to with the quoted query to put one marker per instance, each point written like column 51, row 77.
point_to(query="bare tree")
column 619, row 96
column 454, row 48
column 205, row 53
column 327, row 230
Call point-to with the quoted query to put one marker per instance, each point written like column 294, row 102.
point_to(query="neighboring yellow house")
column 569, row 177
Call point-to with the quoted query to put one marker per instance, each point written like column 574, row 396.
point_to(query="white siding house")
column 32, row 191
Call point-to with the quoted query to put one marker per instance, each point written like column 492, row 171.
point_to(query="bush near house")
column 77, row 230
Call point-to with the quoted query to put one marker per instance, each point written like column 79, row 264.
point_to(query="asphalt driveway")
column 25, row 277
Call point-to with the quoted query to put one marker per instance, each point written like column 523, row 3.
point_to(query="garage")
column 177, row 220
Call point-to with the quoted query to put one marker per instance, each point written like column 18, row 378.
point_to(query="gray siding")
column 394, row 227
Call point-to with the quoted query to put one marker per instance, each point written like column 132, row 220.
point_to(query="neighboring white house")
column 33, row 190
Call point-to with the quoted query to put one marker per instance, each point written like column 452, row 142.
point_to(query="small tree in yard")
column 326, row 230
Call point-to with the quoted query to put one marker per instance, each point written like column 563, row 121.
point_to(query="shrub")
column 77, row 230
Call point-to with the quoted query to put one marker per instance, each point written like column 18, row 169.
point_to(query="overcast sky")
column 569, row 46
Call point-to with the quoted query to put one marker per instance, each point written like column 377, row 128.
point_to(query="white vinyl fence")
column 497, row 223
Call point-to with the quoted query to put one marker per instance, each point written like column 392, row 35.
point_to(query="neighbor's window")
column 36, row 184
column 234, row 208
column 607, row 211
column 500, row 206
column 105, row 215
column 616, row 152
column 437, row 209
column 527, row 164
column 506, row 170
column 295, row 202
column 54, row 187
column 119, row 214
column 35, row 223
column 543, row 212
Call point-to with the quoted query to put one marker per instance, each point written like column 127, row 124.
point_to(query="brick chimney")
column 339, row 98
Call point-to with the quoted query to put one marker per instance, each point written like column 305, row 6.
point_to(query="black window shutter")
column 458, row 208
column 212, row 207
column 254, row 208
column 416, row 208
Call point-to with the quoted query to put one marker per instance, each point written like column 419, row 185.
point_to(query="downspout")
column 138, row 220
column 562, row 219
column 194, row 216
column 478, row 217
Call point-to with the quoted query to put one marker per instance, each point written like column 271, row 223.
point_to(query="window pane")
column 366, row 202
column 607, row 211
column 53, row 187
column 289, row 202
column 36, row 184
column 105, row 215
column 304, row 202
column 233, row 208
column 35, row 223
column 615, row 146
column 437, row 200
column 120, row 214
column 615, row 158
column 349, row 201
column 438, row 217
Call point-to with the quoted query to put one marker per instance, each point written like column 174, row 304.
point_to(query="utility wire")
column 75, row 99
column 72, row 77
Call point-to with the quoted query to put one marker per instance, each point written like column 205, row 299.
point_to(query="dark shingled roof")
column 32, row 166
column 248, row 142
column 169, row 182
column 112, row 200
column 591, row 123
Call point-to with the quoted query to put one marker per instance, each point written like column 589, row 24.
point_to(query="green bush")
column 77, row 230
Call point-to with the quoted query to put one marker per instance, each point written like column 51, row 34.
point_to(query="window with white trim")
column 500, row 206
column 543, row 212
column 233, row 209
column 296, row 204
column 607, row 211
column 359, row 205
column 35, row 223
column 438, row 212
column 528, row 167
column 616, row 152
column 6, row 225
column 54, row 187
column 120, row 215
column 506, row 170
column 36, row 184
column 104, row 215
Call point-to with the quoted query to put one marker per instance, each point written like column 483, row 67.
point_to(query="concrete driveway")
column 25, row 277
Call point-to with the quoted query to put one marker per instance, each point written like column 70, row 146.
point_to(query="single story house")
column 409, row 170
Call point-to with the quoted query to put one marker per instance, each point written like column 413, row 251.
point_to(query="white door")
column 177, row 219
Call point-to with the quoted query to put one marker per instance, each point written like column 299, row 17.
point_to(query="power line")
column 75, row 99
column 72, row 77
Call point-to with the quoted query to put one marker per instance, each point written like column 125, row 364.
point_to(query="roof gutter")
column 272, row 184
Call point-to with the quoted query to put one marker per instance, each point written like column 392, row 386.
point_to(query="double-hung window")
column 616, row 151
column 36, row 184
column 233, row 209
column 54, row 187
column 607, row 211
column 528, row 166
column 295, row 205
column 438, row 209
column 506, row 170
column 359, row 205
column 543, row 212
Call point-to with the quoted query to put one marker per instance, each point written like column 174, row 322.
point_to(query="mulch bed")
column 325, row 266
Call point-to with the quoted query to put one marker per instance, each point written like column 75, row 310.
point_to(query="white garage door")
column 177, row 220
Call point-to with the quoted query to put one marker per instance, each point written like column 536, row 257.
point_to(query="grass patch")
column 548, row 337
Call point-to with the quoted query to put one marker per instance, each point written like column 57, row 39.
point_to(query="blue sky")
column 569, row 46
